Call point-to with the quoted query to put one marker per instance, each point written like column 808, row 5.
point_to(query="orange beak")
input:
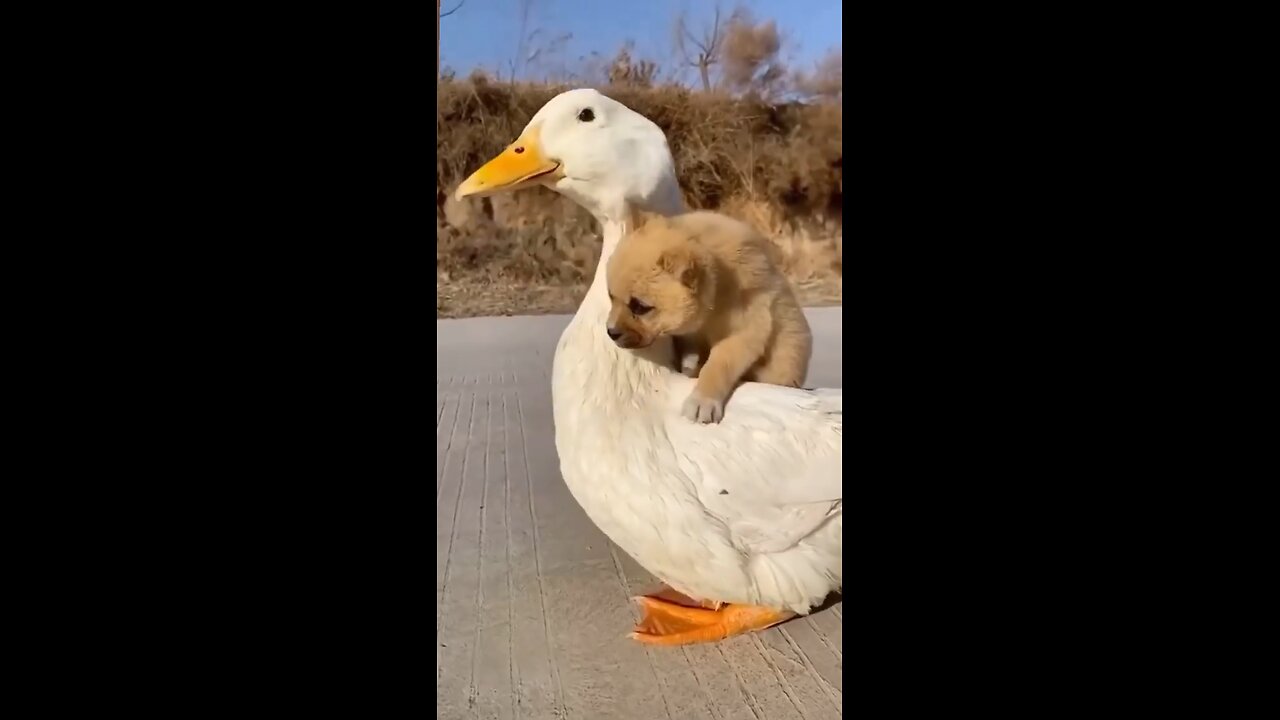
column 520, row 165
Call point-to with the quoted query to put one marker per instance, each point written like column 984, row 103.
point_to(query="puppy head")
column 660, row 283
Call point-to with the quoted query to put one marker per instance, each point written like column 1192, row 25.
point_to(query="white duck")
column 746, row 512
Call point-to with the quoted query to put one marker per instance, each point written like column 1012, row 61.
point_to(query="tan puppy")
column 713, row 284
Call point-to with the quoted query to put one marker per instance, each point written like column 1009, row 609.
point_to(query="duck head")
column 592, row 149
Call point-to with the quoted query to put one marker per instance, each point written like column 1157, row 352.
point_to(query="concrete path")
column 532, row 600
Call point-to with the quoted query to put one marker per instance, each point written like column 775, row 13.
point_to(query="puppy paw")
column 703, row 409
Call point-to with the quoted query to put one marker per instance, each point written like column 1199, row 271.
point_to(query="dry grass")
column 777, row 167
column 480, row 297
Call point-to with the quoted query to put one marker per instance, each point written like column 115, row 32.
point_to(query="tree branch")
column 454, row 9
column 715, row 33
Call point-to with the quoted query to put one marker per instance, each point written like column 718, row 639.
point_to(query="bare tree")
column 522, row 46
column 546, row 55
column 592, row 68
column 700, row 50
column 440, row 15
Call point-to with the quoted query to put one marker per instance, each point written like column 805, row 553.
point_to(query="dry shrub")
column 826, row 80
column 776, row 166
column 749, row 55
column 623, row 70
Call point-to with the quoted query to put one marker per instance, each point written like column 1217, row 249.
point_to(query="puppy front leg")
column 787, row 361
column 728, row 361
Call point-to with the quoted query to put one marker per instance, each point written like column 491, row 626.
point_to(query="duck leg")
column 672, row 595
column 668, row 623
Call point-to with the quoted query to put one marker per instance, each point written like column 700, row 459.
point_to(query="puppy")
column 714, row 285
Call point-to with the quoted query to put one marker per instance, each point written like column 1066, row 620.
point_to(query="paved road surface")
column 532, row 606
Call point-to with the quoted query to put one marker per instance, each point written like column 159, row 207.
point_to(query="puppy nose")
column 613, row 333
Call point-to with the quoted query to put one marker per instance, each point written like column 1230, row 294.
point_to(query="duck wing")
column 772, row 470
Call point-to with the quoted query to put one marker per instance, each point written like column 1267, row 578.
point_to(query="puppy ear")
column 680, row 263
column 690, row 275
column 673, row 260
column 692, row 271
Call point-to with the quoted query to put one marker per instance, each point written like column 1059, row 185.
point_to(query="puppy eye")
column 587, row 115
column 638, row 308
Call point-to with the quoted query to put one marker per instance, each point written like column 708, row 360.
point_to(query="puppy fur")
column 714, row 285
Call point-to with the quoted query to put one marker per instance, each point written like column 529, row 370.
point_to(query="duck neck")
column 596, row 303
column 614, row 225
column 589, row 357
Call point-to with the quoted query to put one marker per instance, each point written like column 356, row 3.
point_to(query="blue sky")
column 485, row 33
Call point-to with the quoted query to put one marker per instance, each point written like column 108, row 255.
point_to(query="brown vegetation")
column 775, row 165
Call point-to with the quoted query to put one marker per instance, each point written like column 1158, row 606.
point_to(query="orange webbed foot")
column 668, row 623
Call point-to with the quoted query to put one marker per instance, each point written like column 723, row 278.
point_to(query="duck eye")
column 587, row 115
column 638, row 308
